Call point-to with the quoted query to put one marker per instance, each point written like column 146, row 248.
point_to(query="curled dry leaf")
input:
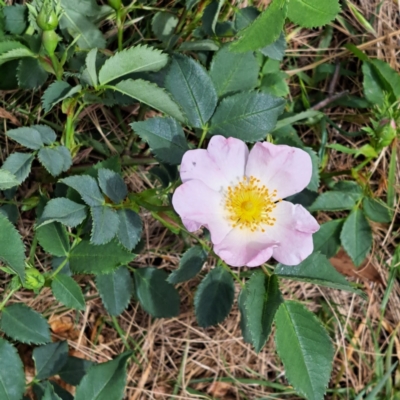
column 7, row 115
column 219, row 389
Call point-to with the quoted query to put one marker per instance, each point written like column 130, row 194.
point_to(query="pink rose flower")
column 237, row 195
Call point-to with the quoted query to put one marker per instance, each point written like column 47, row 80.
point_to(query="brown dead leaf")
column 7, row 115
column 218, row 389
column 343, row 264
column 61, row 324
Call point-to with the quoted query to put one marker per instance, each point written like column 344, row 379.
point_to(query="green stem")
column 60, row 267
column 3, row 303
column 203, row 136
column 56, row 66
column 120, row 27
column 32, row 251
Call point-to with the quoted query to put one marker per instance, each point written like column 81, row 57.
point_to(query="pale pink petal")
column 241, row 248
column 293, row 229
column 279, row 167
column 199, row 205
column 222, row 164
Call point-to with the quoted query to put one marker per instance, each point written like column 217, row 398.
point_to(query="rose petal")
column 198, row 205
column 279, row 167
column 222, row 164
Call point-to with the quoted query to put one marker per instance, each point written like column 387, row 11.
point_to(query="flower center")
column 249, row 205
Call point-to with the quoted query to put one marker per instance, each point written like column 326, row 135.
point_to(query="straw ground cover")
column 175, row 358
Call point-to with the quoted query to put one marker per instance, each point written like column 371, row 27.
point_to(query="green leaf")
column 275, row 84
column 163, row 25
column 312, row 13
column 192, row 89
column 276, row 50
column 21, row 323
column 28, row 137
column 87, row 187
column 6, row 46
column 68, row 292
column 150, row 94
column 12, row 376
column 376, row 210
column 316, row 269
column 391, row 76
column 246, row 116
column 233, row 72
column 31, row 74
column 74, row 370
column 104, row 381
column 262, row 299
column 49, row 392
column 49, row 359
column 105, row 224
column 157, row 297
column 245, row 16
column 63, row 210
column 47, row 134
column 135, row 59
column 91, row 259
column 12, row 251
column 56, row 92
column 54, row 239
column 199, row 45
column 356, row 236
column 305, row 350
column 189, row 266
column 314, row 182
column 264, row 30
column 244, row 325
column 327, row 239
column 214, row 297
column 7, row 180
column 373, row 90
column 165, row 138
column 15, row 55
column 115, row 289
column 55, row 160
column 91, row 66
column 15, row 18
column 19, row 164
column 130, row 228
column 112, row 185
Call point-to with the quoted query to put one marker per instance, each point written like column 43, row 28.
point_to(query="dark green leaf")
column 53, row 238
column 28, row 137
column 12, row 376
column 275, row 84
column 190, row 265
column 244, row 324
column 115, row 289
column 87, row 187
column 55, row 160
column 163, row 25
column 92, row 259
column 20, row 322
column 47, row 134
column 276, row 50
column 390, row 75
column 165, row 138
column 49, row 359
column 130, row 228
column 19, row 164
column 68, row 292
column 15, row 18
column 373, row 90
column 246, row 116
column 31, row 74
column 158, row 297
column 327, row 239
column 7, row 180
column 105, row 224
column 15, row 55
column 74, row 370
column 305, row 350
column 12, row 251
column 56, row 92
column 49, row 392
column 214, row 297
column 192, row 88
column 245, row 16
column 112, row 185
column 376, row 210
column 356, row 236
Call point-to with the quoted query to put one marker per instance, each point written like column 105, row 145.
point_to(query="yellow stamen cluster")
column 249, row 205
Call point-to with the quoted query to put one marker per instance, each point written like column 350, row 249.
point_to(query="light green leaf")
column 62, row 210
column 165, row 137
column 150, row 94
column 115, row 290
column 163, row 25
column 130, row 228
column 314, row 182
column 233, row 72
column 275, row 84
column 245, row 16
column 15, row 18
column 104, row 381
column 391, row 76
column 327, row 239
column 262, row 299
column 247, row 116
column 264, row 30
column 56, row 92
column 28, row 137
column 318, row 270
column 31, row 74
column 74, row 370
column 192, row 89
column 68, row 292
column 112, row 185
column 55, row 159
column 305, row 350
column 91, row 66
column 356, row 236
column 214, row 297
column 12, row 376
column 135, row 59
column 21, row 323
column 19, row 164
column 7, row 180
column 157, row 296
column 312, row 13
column 373, row 90
column 105, row 224
column 12, row 251
column 15, row 54
column 296, row 118
column 91, row 259
column 53, row 238
column 87, row 187
column 376, row 210
column 49, row 359
column 189, row 266
column 47, row 134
